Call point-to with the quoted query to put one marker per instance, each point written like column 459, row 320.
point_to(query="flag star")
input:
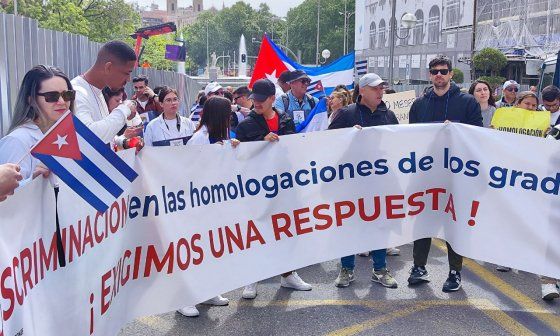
column 60, row 141
column 272, row 77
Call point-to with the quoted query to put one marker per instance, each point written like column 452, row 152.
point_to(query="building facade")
column 443, row 27
column 181, row 16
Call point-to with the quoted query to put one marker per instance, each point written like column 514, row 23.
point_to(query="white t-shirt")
column 15, row 146
column 142, row 103
column 92, row 110
column 200, row 137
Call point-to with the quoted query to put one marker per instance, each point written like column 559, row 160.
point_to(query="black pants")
column 422, row 249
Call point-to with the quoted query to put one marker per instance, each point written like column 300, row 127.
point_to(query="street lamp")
column 408, row 21
column 318, row 18
column 347, row 16
column 326, row 53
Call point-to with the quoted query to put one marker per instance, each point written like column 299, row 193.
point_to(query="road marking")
column 529, row 305
column 503, row 319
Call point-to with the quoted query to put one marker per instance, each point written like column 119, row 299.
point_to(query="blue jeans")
column 378, row 257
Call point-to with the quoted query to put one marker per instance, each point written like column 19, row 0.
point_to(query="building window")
column 419, row 28
column 433, row 25
column 404, row 32
column 381, row 34
column 372, row 35
column 453, row 13
column 390, row 30
column 172, row 7
column 198, row 6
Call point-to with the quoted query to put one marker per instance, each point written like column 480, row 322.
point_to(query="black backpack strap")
column 286, row 102
column 311, row 100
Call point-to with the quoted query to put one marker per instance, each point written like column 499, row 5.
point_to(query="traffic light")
column 243, row 58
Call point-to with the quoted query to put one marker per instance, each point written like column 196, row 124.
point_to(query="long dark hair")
column 491, row 100
column 26, row 108
column 216, row 117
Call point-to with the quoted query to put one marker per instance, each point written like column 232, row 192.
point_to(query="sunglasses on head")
column 510, row 89
column 54, row 96
column 441, row 71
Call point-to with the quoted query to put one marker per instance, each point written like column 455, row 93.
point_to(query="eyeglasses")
column 54, row 96
column 171, row 100
column 512, row 89
column 235, row 98
column 441, row 71
column 305, row 81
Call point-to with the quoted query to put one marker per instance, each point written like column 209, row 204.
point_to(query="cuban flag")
column 86, row 164
column 317, row 120
column 272, row 61
column 316, row 89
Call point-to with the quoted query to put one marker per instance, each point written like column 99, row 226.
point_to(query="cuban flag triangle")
column 316, row 89
column 272, row 61
column 87, row 165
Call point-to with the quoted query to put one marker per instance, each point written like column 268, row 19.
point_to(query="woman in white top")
column 483, row 93
column 45, row 95
column 169, row 129
column 214, row 126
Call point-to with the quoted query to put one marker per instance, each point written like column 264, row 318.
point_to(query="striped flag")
column 316, row 89
column 361, row 68
column 317, row 120
column 86, row 164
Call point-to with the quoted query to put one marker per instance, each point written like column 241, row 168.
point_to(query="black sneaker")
column 453, row 282
column 418, row 274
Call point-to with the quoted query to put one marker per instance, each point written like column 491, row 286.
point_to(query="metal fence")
column 23, row 45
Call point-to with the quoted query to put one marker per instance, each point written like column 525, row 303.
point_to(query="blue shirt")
column 295, row 105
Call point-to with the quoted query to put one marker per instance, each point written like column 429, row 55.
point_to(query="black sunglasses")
column 441, row 71
column 514, row 89
column 54, row 96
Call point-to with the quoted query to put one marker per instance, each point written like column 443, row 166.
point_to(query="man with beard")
column 115, row 61
column 444, row 102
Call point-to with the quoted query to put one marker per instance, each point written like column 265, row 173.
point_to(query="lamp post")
column 347, row 16
column 326, row 53
column 318, row 18
column 407, row 21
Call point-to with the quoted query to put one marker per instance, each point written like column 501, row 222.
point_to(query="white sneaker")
column 294, row 281
column 250, row 291
column 393, row 251
column 189, row 311
column 549, row 292
column 217, row 301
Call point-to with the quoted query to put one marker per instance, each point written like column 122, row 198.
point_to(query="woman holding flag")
column 45, row 95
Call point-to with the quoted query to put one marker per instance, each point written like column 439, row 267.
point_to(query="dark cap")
column 297, row 74
column 262, row 89
column 284, row 76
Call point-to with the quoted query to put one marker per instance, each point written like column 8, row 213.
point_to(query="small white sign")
column 381, row 61
column 371, row 62
column 403, row 61
column 415, row 62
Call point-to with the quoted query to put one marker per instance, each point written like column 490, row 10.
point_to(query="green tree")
column 100, row 20
column 489, row 61
column 154, row 52
column 458, row 76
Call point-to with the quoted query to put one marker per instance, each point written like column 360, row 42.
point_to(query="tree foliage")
column 100, row 20
column 458, row 76
column 489, row 61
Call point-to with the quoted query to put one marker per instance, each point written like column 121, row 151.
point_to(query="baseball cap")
column 212, row 87
column 510, row 83
column 297, row 74
column 262, row 89
column 371, row 79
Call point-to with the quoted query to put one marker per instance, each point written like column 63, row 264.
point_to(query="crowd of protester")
column 266, row 112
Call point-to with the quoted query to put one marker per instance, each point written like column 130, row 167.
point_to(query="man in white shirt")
column 115, row 61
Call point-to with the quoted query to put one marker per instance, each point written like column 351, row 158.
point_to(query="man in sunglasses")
column 509, row 94
column 115, row 61
column 296, row 102
column 444, row 102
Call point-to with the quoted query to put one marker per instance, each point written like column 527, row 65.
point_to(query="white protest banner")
column 400, row 103
column 203, row 220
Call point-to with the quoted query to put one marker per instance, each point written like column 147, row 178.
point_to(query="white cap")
column 212, row 87
column 371, row 79
column 511, row 83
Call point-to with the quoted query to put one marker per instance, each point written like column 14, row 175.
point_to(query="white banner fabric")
column 203, row 220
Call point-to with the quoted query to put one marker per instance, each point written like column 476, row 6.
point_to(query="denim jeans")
column 378, row 257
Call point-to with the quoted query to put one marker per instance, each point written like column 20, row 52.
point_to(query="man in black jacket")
column 443, row 102
column 265, row 123
column 370, row 110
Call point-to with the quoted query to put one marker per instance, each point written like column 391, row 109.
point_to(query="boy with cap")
column 267, row 123
column 509, row 94
column 296, row 102
column 369, row 110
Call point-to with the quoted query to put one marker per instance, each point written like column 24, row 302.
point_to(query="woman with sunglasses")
column 44, row 96
column 169, row 128
column 483, row 93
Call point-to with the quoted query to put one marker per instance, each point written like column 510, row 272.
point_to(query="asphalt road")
column 489, row 303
